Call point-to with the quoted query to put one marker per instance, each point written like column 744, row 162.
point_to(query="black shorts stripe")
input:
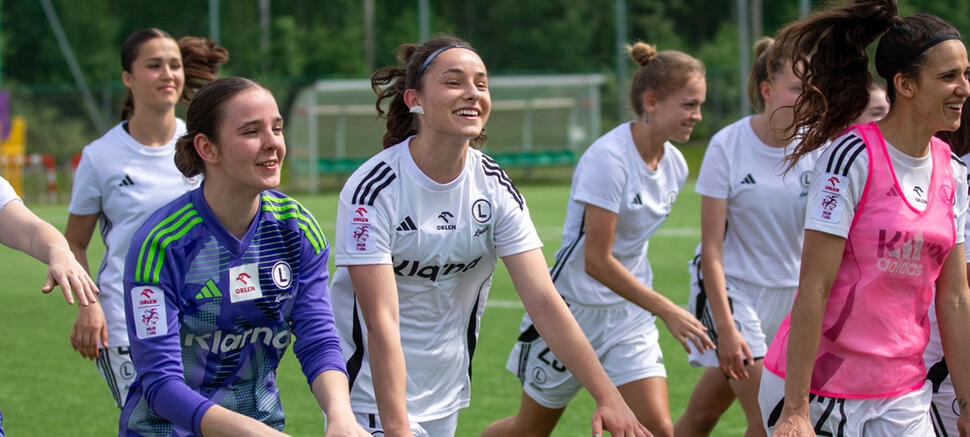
column 567, row 251
column 380, row 174
column 776, row 412
column 702, row 310
column 939, row 428
column 937, row 374
column 835, row 152
column 491, row 168
column 357, row 359
column 104, row 362
column 840, row 431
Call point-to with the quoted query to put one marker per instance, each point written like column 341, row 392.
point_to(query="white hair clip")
column 417, row 109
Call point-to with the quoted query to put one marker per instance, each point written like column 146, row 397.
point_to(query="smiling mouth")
column 955, row 106
column 467, row 112
column 268, row 164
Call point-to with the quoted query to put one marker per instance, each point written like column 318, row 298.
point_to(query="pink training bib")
column 876, row 325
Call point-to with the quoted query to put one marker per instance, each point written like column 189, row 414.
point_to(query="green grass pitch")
column 47, row 389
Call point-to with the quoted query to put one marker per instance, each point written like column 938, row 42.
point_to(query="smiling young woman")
column 419, row 227
column 623, row 189
column 220, row 279
column 884, row 206
column 126, row 175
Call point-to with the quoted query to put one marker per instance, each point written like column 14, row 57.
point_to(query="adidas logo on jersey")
column 208, row 290
column 406, row 225
column 900, row 252
column 223, row 343
column 431, row 272
column 126, row 181
column 637, row 200
column 892, row 192
column 748, row 179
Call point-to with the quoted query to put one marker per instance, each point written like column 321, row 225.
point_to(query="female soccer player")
column 623, row 189
column 884, row 207
column 126, row 175
column 744, row 276
column 217, row 280
column 419, row 227
column 878, row 105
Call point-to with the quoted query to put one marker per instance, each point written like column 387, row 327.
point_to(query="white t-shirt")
column 125, row 182
column 442, row 241
column 612, row 175
column 846, row 155
column 765, row 205
column 7, row 193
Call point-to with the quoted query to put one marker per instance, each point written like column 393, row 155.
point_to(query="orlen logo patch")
column 220, row 343
column 148, row 308
column 244, row 283
column 358, row 229
column 833, row 185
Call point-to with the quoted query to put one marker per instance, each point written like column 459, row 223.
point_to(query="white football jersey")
column 765, row 205
column 612, row 175
column 442, row 241
column 847, row 155
column 125, row 182
column 7, row 193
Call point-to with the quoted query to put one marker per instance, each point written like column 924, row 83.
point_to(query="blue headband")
column 435, row 54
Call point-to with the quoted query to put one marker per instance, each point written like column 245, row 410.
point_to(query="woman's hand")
column 733, row 353
column 90, row 331
column 686, row 328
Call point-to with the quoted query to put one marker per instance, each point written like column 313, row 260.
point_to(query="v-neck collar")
column 234, row 245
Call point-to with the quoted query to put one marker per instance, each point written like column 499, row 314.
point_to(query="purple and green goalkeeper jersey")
column 209, row 316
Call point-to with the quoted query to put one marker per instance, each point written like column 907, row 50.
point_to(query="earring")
column 417, row 109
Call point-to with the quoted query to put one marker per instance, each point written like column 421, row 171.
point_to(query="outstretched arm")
column 24, row 231
column 605, row 268
column 376, row 292
column 568, row 343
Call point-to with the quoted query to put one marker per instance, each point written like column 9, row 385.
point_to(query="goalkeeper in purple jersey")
column 218, row 280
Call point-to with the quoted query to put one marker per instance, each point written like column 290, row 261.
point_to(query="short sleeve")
column 86, row 191
column 961, row 201
column 836, row 187
column 7, row 193
column 713, row 180
column 599, row 180
column 514, row 231
column 363, row 234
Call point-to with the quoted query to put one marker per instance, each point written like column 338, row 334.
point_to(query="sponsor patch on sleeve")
column 831, row 200
column 148, row 304
column 359, row 226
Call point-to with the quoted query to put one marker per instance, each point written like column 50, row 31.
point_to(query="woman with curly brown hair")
column 884, row 208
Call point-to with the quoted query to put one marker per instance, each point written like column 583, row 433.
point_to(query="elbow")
column 593, row 266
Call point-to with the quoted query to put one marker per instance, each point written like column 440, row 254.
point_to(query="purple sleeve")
column 317, row 345
column 155, row 349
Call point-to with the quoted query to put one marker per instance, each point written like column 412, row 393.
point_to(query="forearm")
column 388, row 370
column 804, row 333
column 611, row 273
column 331, row 390
column 221, row 422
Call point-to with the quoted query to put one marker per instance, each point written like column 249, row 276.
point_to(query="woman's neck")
column 152, row 128
column 441, row 159
column 906, row 132
column 769, row 133
column 235, row 210
column 649, row 144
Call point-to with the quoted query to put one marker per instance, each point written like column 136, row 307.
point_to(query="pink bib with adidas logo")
column 876, row 325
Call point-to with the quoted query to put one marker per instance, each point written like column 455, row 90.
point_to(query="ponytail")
column 390, row 83
column 201, row 58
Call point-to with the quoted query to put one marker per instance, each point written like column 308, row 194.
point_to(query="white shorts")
column 758, row 312
column 114, row 365
column 905, row 415
column 444, row 426
column 623, row 336
column 944, row 411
